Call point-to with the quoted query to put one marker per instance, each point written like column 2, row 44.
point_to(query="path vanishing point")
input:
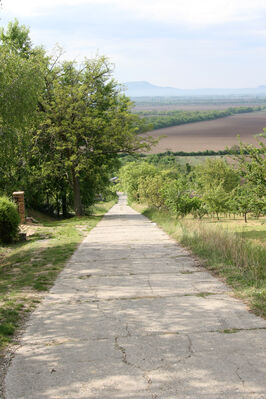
column 132, row 316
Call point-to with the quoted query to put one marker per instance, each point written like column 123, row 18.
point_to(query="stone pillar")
column 19, row 199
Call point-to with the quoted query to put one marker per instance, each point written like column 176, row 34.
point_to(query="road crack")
column 123, row 353
column 149, row 283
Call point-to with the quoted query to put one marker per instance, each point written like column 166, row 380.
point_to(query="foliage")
column 86, row 123
column 9, row 220
column 211, row 188
column 252, row 164
column 216, row 200
column 151, row 189
column 62, row 126
column 177, row 198
column 131, row 176
column 244, row 199
column 21, row 76
column 213, row 173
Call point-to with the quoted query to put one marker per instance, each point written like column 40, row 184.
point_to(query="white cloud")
column 191, row 12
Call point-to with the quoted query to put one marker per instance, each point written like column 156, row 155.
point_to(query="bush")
column 9, row 220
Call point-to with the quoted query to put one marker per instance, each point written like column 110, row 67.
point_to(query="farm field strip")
column 212, row 135
column 191, row 107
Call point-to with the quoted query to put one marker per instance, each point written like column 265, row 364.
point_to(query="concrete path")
column 132, row 316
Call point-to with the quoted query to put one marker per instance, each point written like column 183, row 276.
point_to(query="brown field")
column 191, row 107
column 210, row 135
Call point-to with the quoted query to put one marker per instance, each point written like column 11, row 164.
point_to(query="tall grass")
column 226, row 246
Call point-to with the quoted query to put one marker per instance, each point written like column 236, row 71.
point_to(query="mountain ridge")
column 147, row 89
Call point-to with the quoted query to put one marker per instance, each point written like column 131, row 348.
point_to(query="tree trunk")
column 64, row 204
column 245, row 215
column 57, row 206
column 77, row 198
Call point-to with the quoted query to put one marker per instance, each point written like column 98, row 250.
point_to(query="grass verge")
column 234, row 257
column 28, row 269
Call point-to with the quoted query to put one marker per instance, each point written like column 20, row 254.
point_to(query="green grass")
column 27, row 269
column 229, row 248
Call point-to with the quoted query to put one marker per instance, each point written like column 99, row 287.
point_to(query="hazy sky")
column 180, row 43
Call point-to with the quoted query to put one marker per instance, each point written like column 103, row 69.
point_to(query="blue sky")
column 179, row 43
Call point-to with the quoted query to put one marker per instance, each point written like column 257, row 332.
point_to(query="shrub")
column 9, row 220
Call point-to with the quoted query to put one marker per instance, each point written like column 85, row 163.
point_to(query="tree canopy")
column 63, row 124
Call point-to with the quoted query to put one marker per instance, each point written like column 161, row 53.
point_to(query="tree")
column 178, row 198
column 252, row 164
column 213, row 173
column 22, row 70
column 85, row 123
column 216, row 200
column 151, row 190
column 61, row 125
column 132, row 175
column 242, row 202
column 21, row 76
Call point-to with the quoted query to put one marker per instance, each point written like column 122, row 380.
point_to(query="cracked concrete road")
column 129, row 318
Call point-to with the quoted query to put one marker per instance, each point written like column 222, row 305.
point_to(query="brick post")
column 19, row 199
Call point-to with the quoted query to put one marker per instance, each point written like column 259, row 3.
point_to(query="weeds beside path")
column 239, row 257
column 29, row 269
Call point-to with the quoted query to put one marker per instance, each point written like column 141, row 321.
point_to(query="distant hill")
column 146, row 89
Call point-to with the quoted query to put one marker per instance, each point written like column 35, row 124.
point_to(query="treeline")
column 162, row 119
column 211, row 188
column 200, row 100
column 62, row 125
column 155, row 158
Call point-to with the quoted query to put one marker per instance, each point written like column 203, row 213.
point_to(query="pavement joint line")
column 138, row 298
column 149, row 334
column 71, row 262
column 129, row 274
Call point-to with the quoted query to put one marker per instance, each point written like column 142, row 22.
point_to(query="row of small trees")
column 62, row 125
column 211, row 188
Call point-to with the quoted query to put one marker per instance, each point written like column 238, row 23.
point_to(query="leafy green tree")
column 252, row 164
column 151, row 190
column 21, row 83
column 242, row 200
column 199, row 208
column 85, row 123
column 61, row 126
column 216, row 200
column 245, row 199
column 178, row 198
column 213, row 173
column 132, row 175
column 21, row 76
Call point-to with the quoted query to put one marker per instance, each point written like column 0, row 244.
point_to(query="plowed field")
column 210, row 135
